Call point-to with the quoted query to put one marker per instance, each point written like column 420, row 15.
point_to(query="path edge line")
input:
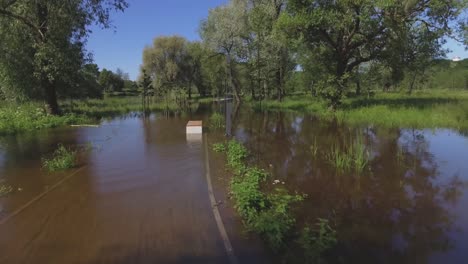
column 38, row 197
column 219, row 222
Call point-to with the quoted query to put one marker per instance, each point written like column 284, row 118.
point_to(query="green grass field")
column 422, row 109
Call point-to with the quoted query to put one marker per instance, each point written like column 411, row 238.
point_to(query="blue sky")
column 144, row 20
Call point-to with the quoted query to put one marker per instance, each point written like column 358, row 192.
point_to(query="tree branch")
column 21, row 19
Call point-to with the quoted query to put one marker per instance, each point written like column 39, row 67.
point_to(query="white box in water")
column 194, row 127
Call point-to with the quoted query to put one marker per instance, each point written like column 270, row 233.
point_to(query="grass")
column 353, row 157
column 265, row 213
column 31, row 117
column 422, row 109
column 62, row 159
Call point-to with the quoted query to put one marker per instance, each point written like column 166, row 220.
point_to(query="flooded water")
column 141, row 197
column 409, row 206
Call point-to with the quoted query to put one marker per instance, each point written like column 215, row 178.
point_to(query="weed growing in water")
column 5, row 189
column 216, row 120
column 314, row 148
column 267, row 214
column 355, row 157
column 315, row 242
column 219, row 147
column 61, row 159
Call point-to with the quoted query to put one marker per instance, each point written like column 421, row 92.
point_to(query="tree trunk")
column 189, row 89
column 410, row 90
column 51, row 103
column 233, row 84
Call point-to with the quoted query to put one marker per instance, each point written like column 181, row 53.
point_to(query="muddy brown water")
column 141, row 197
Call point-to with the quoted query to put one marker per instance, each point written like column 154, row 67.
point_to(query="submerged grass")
column 423, row 109
column 62, row 159
column 265, row 213
column 216, row 120
column 5, row 189
column 268, row 212
column 353, row 157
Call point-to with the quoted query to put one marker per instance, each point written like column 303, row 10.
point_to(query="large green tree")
column 165, row 61
column 224, row 31
column 347, row 33
column 42, row 47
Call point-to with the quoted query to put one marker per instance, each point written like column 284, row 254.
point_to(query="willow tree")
column 42, row 45
column 348, row 33
column 224, row 31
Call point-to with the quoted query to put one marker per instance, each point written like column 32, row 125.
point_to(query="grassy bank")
column 113, row 106
column 423, row 109
column 27, row 117
column 30, row 117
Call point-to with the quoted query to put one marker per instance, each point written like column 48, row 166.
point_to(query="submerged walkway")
column 142, row 198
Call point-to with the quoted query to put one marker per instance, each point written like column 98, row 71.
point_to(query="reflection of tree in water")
column 395, row 214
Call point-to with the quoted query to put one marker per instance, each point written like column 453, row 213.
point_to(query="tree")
column 224, row 31
column 51, row 37
column 347, row 33
column 165, row 61
column 111, row 82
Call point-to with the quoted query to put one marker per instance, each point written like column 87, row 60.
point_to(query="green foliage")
column 314, row 242
column 268, row 214
column 43, row 45
column 342, row 35
column 62, row 159
column 216, row 120
column 31, row 117
column 219, row 147
column 111, row 82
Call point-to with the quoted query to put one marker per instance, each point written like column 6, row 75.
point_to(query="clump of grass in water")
column 354, row 157
column 219, row 147
column 61, row 159
column 314, row 148
column 315, row 241
column 5, row 189
column 267, row 214
column 216, row 120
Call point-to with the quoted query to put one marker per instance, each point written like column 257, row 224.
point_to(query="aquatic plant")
column 216, row 120
column 61, row 159
column 267, row 214
column 354, row 156
column 5, row 189
column 314, row 148
column 219, row 147
column 315, row 241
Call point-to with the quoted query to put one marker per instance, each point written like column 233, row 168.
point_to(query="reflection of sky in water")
column 449, row 151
